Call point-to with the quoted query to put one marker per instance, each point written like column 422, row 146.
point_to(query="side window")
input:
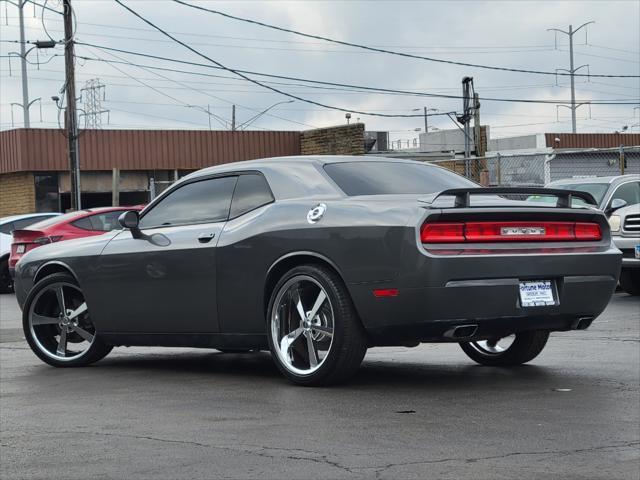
column 84, row 223
column 7, row 228
column 105, row 222
column 203, row 201
column 251, row 192
column 629, row 192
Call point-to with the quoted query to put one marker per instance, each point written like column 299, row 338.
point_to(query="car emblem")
column 316, row 213
column 528, row 231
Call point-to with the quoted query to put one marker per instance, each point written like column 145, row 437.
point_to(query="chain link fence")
column 538, row 169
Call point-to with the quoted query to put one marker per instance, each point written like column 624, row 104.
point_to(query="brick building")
column 127, row 166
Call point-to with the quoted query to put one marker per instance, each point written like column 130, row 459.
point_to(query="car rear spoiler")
column 463, row 195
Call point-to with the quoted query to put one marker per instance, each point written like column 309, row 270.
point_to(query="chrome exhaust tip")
column 461, row 331
column 582, row 323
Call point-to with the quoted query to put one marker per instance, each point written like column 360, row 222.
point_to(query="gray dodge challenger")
column 319, row 258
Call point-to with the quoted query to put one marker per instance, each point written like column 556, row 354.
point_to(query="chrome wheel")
column 493, row 346
column 59, row 322
column 302, row 325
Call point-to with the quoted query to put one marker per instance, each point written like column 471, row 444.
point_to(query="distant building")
column 34, row 167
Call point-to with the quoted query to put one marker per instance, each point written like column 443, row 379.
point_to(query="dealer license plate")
column 20, row 248
column 536, row 293
column 637, row 251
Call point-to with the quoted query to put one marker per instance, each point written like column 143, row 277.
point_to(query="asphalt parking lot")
column 574, row 412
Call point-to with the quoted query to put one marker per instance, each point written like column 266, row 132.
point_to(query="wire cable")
column 336, row 84
column 392, row 52
column 256, row 82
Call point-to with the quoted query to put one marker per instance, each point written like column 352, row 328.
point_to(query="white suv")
column 625, row 229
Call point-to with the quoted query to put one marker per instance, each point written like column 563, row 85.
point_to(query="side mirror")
column 129, row 220
column 616, row 204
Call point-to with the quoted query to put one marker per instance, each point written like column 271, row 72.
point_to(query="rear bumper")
column 627, row 245
column 12, row 272
column 484, row 291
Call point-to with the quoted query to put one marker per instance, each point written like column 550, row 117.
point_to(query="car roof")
column 13, row 218
column 274, row 162
column 603, row 180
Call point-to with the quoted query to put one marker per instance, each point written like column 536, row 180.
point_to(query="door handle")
column 205, row 237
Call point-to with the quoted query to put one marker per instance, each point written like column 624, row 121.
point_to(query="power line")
column 544, row 47
column 319, row 82
column 470, row 51
column 220, row 120
column 348, row 88
column 256, row 82
column 381, row 50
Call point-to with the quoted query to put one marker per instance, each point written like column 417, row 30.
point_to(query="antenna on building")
column 93, row 94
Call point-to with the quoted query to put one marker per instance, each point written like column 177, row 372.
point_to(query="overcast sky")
column 501, row 33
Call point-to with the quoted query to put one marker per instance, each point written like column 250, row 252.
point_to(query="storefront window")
column 47, row 197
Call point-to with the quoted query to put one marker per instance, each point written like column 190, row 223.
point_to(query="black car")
column 319, row 258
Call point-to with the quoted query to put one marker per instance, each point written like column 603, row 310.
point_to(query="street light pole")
column 258, row 115
column 23, row 66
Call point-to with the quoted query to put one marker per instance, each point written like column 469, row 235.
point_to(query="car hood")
column 628, row 210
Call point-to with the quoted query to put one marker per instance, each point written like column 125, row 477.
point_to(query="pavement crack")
column 249, row 449
column 380, row 470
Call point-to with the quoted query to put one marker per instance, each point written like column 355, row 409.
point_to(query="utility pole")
column 571, row 70
column 466, row 115
column 71, row 115
column 426, row 122
column 465, row 119
column 23, row 65
column 476, row 126
column 233, row 118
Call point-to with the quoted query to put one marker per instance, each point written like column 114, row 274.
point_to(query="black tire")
column 6, row 282
column 97, row 349
column 630, row 281
column 525, row 347
column 349, row 339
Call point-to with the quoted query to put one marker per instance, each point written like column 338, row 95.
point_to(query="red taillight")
column 588, row 231
column 509, row 232
column 45, row 240
column 442, row 233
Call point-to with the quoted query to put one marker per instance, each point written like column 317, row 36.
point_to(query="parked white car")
column 7, row 225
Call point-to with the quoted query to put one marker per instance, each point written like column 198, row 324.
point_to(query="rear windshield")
column 55, row 220
column 390, row 178
column 597, row 190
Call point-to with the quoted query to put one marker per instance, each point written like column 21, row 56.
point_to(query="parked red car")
column 83, row 223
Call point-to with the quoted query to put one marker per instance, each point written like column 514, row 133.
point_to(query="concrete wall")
column 522, row 142
column 340, row 140
column 17, row 193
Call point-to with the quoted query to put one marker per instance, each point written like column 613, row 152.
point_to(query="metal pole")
column 426, row 123
column 233, row 118
column 573, row 88
column 115, row 187
column 23, row 65
column 71, row 113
